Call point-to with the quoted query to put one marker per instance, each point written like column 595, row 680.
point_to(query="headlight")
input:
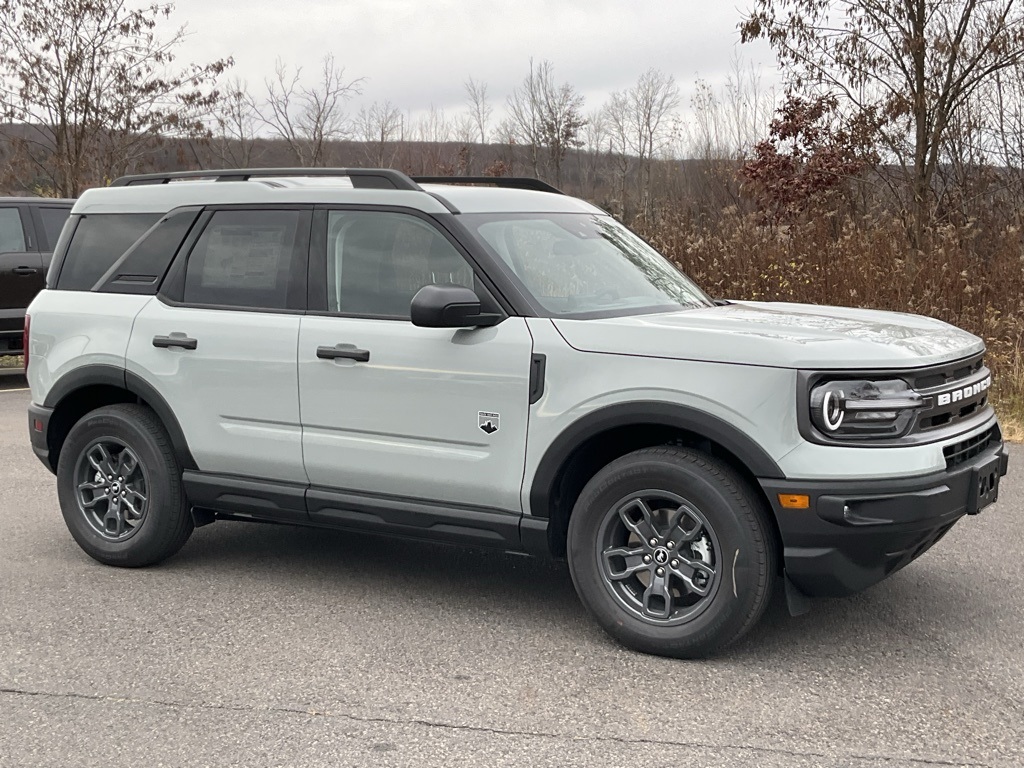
column 859, row 408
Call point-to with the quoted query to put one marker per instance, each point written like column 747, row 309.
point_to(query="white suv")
column 488, row 361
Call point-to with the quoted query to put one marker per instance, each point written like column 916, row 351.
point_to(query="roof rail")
column 362, row 178
column 510, row 182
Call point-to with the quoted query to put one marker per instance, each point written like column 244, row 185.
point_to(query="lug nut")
column 670, row 544
column 647, row 558
column 674, row 563
column 653, row 542
column 660, row 572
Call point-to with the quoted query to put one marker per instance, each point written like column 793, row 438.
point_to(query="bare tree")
column 903, row 67
column 723, row 128
column 523, row 124
column 309, row 118
column 506, row 136
column 236, row 120
column 479, row 107
column 547, row 116
column 561, row 121
column 464, row 128
column 93, row 88
column 642, row 121
column 1002, row 103
column 621, row 146
column 728, row 121
column 380, row 128
column 595, row 138
column 434, row 130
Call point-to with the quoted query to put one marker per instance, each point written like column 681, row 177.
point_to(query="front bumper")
column 856, row 533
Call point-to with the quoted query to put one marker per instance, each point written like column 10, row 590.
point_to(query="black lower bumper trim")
column 38, row 429
column 856, row 533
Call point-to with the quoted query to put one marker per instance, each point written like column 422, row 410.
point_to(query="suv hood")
column 778, row 335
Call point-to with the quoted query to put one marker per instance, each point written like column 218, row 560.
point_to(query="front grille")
column 965, row 450
column 941, row 375
column 964, row 387
column 954, row 400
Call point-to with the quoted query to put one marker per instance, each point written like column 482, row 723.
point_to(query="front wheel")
column 119, row 485
column 671, row 552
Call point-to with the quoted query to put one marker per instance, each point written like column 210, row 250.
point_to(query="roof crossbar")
column 510, row 182
column 362, row 178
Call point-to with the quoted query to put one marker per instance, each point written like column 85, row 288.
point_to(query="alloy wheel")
column 111, row 488
column 659, row 557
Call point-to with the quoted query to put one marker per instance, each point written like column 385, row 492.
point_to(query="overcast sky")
column 418, row 53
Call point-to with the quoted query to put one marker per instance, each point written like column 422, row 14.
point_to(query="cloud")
column 419, row 53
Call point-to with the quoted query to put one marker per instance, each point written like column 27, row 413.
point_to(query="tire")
column 134, row 513
column 708, row 576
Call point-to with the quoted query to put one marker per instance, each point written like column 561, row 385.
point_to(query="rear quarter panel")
column 73, row 329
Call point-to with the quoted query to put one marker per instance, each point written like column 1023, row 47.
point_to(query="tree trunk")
column 921, row 187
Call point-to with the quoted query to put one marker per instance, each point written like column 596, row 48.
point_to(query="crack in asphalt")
column 872, row 759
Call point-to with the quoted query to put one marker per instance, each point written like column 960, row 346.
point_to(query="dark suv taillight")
column 24, row 340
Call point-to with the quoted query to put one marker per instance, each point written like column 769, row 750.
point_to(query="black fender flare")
column 683, row 417
column 110, row 375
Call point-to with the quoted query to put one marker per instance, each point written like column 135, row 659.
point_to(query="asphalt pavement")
column 261, row 645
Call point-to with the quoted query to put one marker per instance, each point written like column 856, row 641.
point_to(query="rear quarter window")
column 99, row 241
column 143, row 265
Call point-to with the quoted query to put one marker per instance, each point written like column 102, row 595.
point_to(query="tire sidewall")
column 163, row 494
column 739, row 562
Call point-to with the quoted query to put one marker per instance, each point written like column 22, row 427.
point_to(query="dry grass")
column 11, row 361
column 1013, row 429
column 970, row 276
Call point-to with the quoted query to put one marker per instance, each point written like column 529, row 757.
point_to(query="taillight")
column 24, row 340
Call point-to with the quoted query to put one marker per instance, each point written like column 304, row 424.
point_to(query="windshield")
column 581, row 264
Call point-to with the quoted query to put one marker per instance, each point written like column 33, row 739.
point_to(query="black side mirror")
column 448, row 306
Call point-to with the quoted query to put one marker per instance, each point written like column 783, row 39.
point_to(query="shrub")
column 969, row 276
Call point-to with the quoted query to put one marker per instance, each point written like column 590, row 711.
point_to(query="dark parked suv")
column 29, row 228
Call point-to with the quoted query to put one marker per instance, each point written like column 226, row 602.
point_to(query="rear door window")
column 254, row 259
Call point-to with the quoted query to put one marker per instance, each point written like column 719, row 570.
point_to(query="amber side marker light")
column 794, row 501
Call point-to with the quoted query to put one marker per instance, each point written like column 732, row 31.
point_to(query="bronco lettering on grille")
column 964, row 393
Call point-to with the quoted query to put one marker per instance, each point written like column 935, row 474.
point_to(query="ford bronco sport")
column 493, row 363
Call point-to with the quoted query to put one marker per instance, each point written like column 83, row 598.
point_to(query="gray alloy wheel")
column 659, row 557
column 672, row 551
column 112, row 487
column 120, row 490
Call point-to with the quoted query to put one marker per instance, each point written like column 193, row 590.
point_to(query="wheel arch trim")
column 560, row 451
column 111, row 375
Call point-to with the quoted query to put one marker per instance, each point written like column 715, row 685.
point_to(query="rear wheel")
column 119, row 485
column 672, row 552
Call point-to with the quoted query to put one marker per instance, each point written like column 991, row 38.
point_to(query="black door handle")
column 25, row 271
column 345, row 352
column 175, row 340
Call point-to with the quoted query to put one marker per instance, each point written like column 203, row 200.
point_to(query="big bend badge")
column 489, row 422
